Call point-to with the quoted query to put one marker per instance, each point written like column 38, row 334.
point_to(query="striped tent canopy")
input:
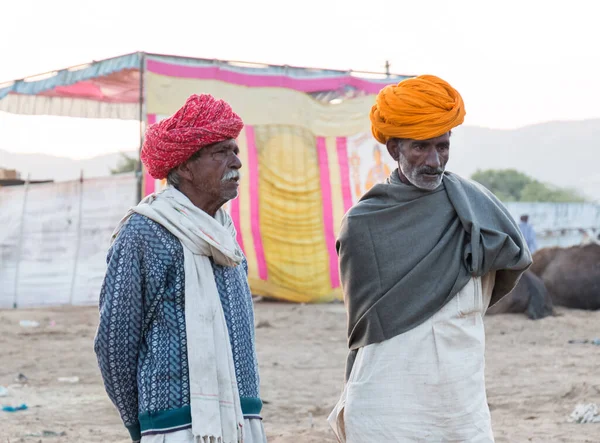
column 307, row 150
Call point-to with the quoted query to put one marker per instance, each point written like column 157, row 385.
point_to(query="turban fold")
column 202, row 121
column 418, row 108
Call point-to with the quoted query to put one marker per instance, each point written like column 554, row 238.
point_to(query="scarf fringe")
column 213, row 439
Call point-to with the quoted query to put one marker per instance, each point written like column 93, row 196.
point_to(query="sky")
column 515, row 63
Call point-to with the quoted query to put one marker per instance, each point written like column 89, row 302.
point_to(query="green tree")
column 510, row 185
column 506, row 184
column 539, row 192
column 125, row 164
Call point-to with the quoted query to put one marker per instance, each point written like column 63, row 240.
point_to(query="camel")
column 529, row 296
column 571, row 275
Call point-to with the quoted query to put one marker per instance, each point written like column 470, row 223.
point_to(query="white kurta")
column 426, row 385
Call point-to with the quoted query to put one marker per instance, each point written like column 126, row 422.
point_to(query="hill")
column 563, row 153
column 43, row 166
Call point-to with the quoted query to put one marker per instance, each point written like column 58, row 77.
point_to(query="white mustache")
column 230, row 175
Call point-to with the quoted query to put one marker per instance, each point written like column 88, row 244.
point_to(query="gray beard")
column 414, row 177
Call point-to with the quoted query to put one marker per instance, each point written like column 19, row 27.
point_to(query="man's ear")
column 393, row 147
column 185, row 172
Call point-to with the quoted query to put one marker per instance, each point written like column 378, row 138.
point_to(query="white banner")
column 55, row 238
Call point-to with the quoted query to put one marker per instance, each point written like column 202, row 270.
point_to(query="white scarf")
column 215, row 402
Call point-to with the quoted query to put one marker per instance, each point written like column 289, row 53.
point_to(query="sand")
column 535, row 377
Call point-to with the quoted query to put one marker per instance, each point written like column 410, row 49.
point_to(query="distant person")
column 528, row 233
column 175, row 342
column 421, row 258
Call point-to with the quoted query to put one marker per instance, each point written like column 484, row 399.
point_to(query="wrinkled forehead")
column 230, row 144
column 444, row 138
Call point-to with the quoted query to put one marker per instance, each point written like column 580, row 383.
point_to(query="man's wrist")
column 135, row 432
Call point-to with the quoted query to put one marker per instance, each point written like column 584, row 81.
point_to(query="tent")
column 307, row 150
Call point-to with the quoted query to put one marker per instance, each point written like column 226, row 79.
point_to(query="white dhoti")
column 254, row 432
column 425, row 385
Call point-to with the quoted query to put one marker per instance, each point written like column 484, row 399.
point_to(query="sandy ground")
column 535, row 377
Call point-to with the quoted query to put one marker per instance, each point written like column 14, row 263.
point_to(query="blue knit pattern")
column 141, row 341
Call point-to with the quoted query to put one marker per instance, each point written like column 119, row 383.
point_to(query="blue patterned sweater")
column 141, row 339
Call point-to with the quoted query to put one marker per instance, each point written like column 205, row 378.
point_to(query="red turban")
column 202, row 121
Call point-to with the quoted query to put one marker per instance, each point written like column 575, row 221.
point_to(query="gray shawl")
column 405, row 252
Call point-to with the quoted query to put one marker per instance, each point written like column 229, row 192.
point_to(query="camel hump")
column 540, row 304
column 572, row 276
column 529, row 296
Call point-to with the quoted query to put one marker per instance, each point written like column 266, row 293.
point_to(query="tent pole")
column 77, row 240
column 142, row 120
column 20, row 243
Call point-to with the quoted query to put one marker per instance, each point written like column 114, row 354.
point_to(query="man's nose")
column 235, row 163
column 433, row 159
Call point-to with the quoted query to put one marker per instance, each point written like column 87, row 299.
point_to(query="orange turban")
column 417, row 108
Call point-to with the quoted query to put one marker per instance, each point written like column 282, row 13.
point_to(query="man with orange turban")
column 175, row 343
column 422, row 256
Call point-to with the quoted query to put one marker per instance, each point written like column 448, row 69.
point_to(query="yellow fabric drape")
column 291, row 219
column 264, row 106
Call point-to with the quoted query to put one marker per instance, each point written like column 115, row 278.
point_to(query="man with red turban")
column 422, row 256
column 175, row 343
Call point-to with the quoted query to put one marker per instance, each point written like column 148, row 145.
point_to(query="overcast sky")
column 515, row 62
